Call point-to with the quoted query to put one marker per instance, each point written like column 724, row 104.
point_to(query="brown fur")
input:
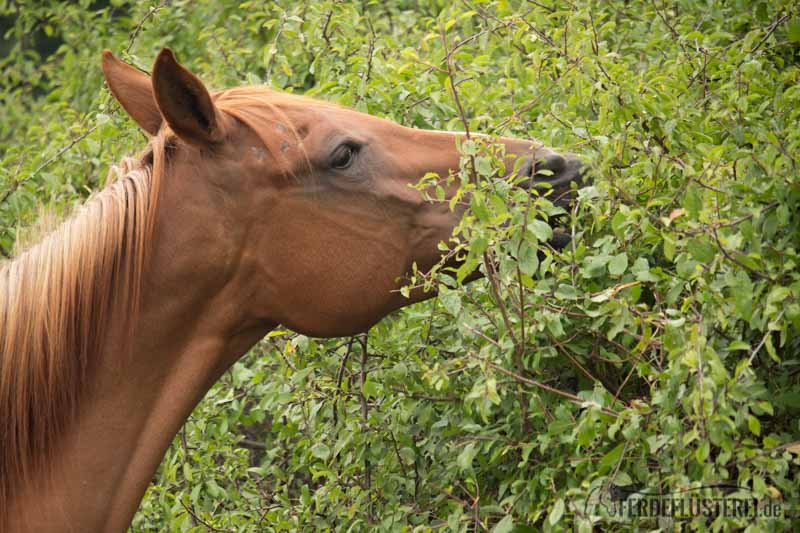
column 55, row 302
column 114, row 325
column 56, row 297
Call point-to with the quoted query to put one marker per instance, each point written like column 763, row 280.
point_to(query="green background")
column 658, row 351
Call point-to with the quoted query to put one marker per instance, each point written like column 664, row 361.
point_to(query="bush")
column 658, row 351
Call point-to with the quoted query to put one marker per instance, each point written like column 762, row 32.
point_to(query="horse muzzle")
column 548, row 170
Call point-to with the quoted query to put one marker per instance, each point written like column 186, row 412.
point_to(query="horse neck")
column 141, row 392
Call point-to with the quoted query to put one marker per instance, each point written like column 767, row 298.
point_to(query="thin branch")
column 339, row 377
column 397, row 452
column 365, row 426
column 273, row 49
column 770, row 31
column 325, row 35
column 138, row 28
column 426, row 397
column 763, row 341
column 252, row 444
column 200, row 520
column 494, row 287
column 669, row 26
column 40, row 168
column 451, row 80
column 365, row 76
column 430, row 325
column 522, row 379
column 735, row 261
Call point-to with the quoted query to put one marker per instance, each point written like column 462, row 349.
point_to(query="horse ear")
column 184, row 102
column 133, row 90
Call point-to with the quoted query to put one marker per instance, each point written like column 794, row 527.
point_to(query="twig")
column 546, row 8
column 426, row 397
column 364, row 426
column 494, row 287
column 365, row 76
column 669, row 26
column 339, row 377
column 225, row 57
column 483, row 335
column 736, row 261
column 397, row 452
column 138, row 28
column 451, row 80
column 325, row 35
column 770, row 31
column 763, row 341
column 430, row 324
column 619, row 463
column 273, row 49
column 518, row 352
column 17, row 183
column 282, row 356
column 200, row 520
column 575, row 399
column 532, row 103
column 252, row 444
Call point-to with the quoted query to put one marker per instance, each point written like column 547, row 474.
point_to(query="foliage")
column 659, row 349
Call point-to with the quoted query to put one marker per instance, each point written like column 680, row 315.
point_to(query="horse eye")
column 343, row 156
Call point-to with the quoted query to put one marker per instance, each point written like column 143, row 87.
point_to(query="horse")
column 247, row 209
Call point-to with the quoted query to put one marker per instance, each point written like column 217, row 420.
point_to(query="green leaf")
column 187, row 472
column 618, row 264
column 483, row 166
column 610, row 460
column 528, row 258
column 451, row 300
column 703, row 451
column 371, row 389
column 553, row 323
column 321, row 451
column 505, row 525
column 491, row 391
column 701, row 249
column 738, row 345
column 793, row 32
column 754, row 425
column 566, row 292
column 692, row 202
column 541, row 230
column 557, row 512
column 466, row 456
column 669, row 247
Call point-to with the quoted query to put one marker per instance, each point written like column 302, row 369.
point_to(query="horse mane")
column 57, row 299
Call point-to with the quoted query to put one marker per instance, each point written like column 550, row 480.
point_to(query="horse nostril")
column 562, row 171
column 555, row 163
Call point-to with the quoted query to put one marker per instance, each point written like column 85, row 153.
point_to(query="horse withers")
column 249, row 208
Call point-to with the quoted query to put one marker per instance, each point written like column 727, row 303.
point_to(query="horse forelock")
column 57, row 299
column 266, row 112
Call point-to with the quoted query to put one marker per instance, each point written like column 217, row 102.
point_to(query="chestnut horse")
column 249, row 208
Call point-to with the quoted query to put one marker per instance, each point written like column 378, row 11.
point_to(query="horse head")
column 248, row 209
column 304, row 208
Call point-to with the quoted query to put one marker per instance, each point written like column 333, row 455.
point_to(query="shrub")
column 658, row 350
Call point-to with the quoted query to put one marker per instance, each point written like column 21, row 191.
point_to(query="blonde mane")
column 58, row 297
column 56, row 302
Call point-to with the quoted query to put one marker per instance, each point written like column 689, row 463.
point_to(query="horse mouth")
column 556, row 172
